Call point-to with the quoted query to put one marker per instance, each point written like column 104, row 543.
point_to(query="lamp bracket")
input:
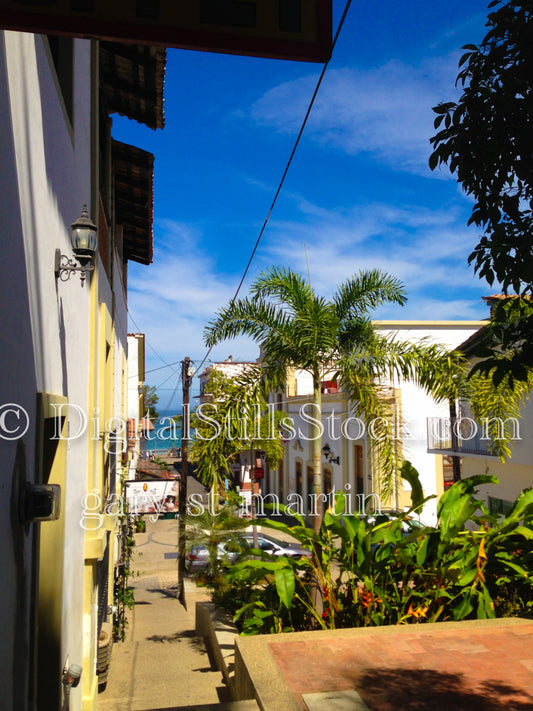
column 64, row 267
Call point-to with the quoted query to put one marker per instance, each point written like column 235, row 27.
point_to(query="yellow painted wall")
column 51, row 556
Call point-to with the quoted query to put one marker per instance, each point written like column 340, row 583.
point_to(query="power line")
column 167, row 365
column 288, row 164
column 274, row 201
column 165, row 381
column 167, row 409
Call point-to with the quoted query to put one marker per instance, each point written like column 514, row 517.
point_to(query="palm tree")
column 212, row 450
column 296, row 328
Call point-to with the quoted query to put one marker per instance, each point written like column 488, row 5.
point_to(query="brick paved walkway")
column 418, row 668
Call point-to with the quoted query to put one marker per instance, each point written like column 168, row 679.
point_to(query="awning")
column 134, row 197
column 133, row 80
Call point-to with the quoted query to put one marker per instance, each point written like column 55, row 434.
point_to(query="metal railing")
column 456, row 435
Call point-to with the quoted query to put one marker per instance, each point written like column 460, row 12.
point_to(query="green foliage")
column 506, row 346
column 297, row 328
column 499, row 402
column 365, row 575
column 140, row 524
column 123, row 595
column 486, row 141
column 212, row 449
column 232, row 422
column 412, row 477
column 211, row 528
column 150, row 399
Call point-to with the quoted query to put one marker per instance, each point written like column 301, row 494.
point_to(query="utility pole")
column 182, row 503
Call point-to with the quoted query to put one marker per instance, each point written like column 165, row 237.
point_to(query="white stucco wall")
column 134, row 376
column 514, row 474
column 17, row 386
column 47, row 170
column 416, row 406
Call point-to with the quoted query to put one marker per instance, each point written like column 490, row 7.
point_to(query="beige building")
column 348, row 464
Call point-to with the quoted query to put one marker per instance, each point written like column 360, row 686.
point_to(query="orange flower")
column 419, row 612
column 366, row 597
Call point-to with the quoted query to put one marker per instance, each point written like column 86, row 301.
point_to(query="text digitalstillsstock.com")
column 246, row 427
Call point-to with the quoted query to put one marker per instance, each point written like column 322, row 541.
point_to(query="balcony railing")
column 460, row 436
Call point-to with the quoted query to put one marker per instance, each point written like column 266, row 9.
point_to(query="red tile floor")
column 421, row 668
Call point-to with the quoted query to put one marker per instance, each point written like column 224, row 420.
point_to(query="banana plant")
column 376, row 574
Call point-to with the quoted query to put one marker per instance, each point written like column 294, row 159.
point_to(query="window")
column 359, row 470
column 299, row 478
column 281, row 488
column 310, row 479
column 327, row 480
column 310, row 488
column 447, row 470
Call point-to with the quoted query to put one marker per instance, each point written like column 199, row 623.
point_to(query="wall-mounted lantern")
column 84, row 244
column 328, row 454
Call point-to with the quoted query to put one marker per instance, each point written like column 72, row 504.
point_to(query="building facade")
column 63, row 361
column 464, row 444
column 348, row 463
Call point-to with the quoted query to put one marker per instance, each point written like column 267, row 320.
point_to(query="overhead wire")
column 167, row 365
column 288, row 164
column 276, row 195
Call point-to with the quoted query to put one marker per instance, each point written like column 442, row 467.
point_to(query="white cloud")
column 383, row 111
column 173, row 299
column 425, row 249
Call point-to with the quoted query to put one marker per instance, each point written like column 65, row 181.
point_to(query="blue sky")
column 358, row 195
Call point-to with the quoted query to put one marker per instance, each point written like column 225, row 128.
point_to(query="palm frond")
column 500, row 405
column 355, row 333
column 366, row 291
column 256, row 318
column 285, row 285
column 385, row 448
column 438, row 371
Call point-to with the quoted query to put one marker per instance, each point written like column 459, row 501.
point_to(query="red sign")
column 281, row 29
column 259, row 473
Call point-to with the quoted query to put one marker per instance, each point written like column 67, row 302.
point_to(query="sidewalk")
column 162, row 663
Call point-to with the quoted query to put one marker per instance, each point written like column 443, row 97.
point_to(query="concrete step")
column 334, row 701
column 248, row 705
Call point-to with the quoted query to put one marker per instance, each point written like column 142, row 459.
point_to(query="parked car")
column 238, row 547
column 197, row 559
column 273, row 546
column 409, row 523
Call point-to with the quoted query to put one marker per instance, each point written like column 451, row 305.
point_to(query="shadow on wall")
column 20, row 537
